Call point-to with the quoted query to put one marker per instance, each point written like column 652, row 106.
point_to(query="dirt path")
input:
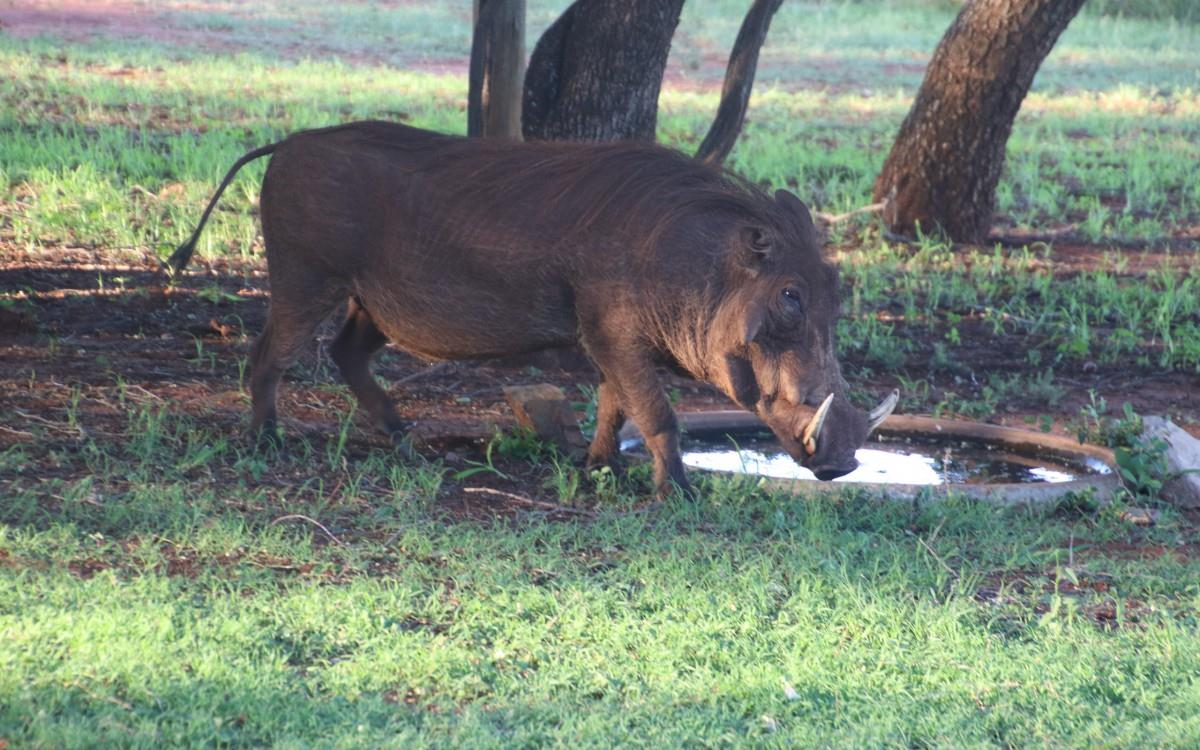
column 74, row 21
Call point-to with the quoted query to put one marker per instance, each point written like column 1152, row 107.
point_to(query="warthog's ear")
column 788, row 201
column 756, row 244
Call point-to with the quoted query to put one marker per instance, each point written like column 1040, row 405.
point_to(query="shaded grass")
column 157, row 604
column 1091, row 315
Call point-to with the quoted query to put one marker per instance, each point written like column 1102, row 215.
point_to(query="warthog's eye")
column 791, row 300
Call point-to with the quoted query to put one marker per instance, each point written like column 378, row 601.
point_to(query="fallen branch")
column 528, row 501
column 314, row 522
column 435, row 369
column 60, row 427
column 20, row 433
column 874, row 208
column 1003, row 315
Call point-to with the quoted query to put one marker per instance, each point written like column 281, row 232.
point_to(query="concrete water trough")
column 909, row 457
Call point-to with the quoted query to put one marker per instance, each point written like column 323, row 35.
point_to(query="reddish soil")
column 79, row 21
column 75, row 21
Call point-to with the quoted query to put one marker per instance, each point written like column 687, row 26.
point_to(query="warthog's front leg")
column 629, row 371
column 606, row 443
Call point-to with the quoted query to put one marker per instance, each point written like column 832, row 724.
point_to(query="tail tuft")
column 179, row 259
column 174, row 265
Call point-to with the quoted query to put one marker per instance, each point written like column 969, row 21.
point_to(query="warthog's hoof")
column 265, row 437
column 613, row 463
column 683, row 489
column 402, row 443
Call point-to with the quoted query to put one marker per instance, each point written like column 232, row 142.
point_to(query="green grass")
column 154, row 591
column 1106, row 141
column 1093, row 315
column 157, row 594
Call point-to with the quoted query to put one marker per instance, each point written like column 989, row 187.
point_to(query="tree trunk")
column 739, row 80
column 946, row 161
column 596, row 73
column 497, row 69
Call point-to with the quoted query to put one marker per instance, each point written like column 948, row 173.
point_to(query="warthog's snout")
column 826, row 442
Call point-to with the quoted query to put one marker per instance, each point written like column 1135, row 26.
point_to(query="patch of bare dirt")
column 80, row 318
column 1030, row 591
column 1132, row 550
column 75, row 21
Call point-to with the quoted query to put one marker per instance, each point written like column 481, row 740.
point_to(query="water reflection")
column 921, row 463
column 874, row 465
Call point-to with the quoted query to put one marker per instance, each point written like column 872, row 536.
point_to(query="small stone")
column 1183, row 461
column 789, row 692
column 544, row 409
column 1140, row 516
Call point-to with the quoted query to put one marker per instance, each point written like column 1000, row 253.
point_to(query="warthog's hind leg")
column 352, row 350
column 289, row 327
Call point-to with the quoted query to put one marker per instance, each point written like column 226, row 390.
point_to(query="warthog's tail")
column 179, row 259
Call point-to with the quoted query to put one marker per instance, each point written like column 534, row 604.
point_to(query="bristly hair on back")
column 633, row 190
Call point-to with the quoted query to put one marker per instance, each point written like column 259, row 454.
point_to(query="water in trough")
column 896, row 461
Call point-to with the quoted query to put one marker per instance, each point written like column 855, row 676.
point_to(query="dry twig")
column 528, row 501
column 314, row 522
column 435, row 369
column 874, row 208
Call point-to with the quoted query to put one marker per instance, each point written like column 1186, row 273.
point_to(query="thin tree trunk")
column 597, row 71
column 739, row 80
column 497, row 69
column 944, row 166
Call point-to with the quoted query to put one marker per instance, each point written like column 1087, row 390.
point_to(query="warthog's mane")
column 637, row 190
column 633, row 192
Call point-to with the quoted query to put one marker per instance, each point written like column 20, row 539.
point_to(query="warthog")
column 456, row 248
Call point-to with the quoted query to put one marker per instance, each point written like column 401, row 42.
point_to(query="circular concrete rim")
column 1103, row 486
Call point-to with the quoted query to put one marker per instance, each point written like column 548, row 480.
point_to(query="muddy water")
column 896, row 462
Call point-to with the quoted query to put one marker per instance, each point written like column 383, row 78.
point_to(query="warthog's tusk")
column 882, row 412
column 813, row 430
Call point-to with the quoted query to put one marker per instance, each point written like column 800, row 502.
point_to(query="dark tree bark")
column 596, row 73
column 497, row 69
column 739, row 80
column 946, row 161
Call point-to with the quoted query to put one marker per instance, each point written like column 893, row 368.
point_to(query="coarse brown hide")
column 455, row 248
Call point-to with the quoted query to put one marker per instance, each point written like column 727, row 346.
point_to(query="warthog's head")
column 773, row 340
